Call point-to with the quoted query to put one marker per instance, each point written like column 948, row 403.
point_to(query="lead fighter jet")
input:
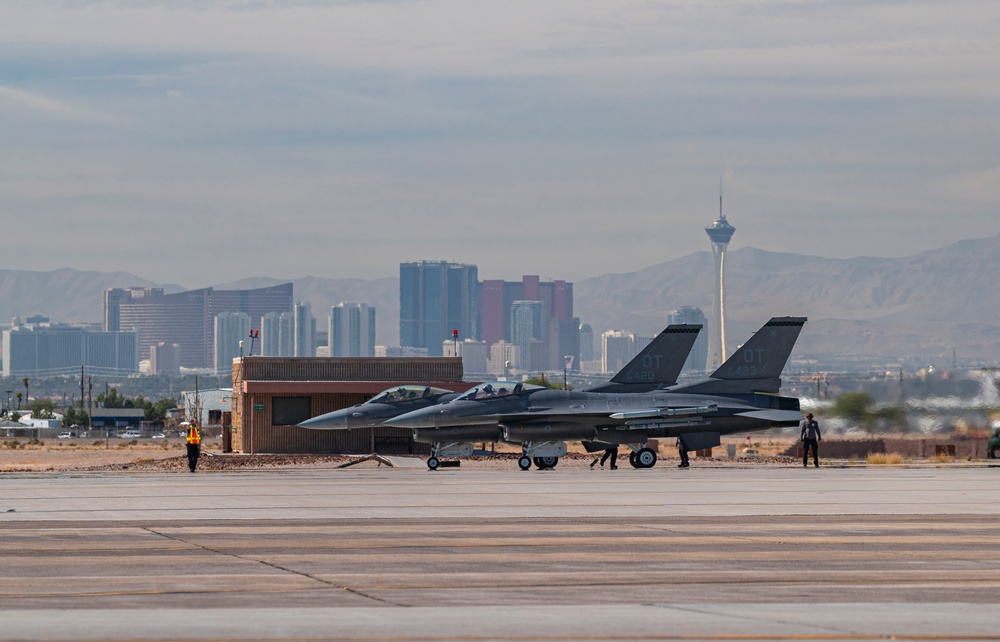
column 657, row 365
column 741, row 395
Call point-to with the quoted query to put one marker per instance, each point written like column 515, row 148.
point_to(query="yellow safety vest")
column 193, row 436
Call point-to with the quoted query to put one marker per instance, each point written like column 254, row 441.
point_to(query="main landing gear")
column 541, row 463
column 544, row 454
column 642, row 457
column 457, row 449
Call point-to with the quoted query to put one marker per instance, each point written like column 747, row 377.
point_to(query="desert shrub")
column 885, row 458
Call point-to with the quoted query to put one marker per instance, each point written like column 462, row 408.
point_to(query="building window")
column 289, row 411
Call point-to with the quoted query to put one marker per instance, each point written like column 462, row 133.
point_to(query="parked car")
column 67, row 435
column 130, row 434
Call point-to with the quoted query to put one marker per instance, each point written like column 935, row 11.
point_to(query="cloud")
column 590, row 135
column 37, row 103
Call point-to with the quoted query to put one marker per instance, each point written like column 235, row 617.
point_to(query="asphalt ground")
column 407, row 554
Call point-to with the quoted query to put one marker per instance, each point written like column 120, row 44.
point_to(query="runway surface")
column 405, row 554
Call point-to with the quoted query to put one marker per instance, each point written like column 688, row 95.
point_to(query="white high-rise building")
column 305, row 330
column 474, row 354
column 230, row 329
column 277, row 334
column 502, row 354
column 351, row 331
column 719, row 233
column 617, row 349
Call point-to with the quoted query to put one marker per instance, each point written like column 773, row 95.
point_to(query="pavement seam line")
column 753, row 618
column 271, row 565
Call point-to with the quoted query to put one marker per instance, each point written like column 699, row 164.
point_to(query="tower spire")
column 721, row 215
column 719, row 233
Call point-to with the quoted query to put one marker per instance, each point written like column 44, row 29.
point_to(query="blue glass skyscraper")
column 435, row 298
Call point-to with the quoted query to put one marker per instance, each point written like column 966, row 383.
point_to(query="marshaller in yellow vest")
column 193, row 445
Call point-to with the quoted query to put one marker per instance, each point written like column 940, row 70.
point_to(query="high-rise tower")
column 719, row 233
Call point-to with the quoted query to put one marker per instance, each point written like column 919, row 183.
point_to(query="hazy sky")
column 200, row 141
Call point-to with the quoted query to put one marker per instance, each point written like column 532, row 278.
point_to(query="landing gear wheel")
column 524, row 462
column 646, row 458
column 546, row 462
column 632, row 460
column 433, row 463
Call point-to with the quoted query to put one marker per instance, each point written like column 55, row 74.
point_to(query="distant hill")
column 921, row 306
column 67, row 295
column 63, row 295
column 323, row 293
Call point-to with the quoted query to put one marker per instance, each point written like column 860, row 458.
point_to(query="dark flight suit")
column 810, row 439
column 612, row 454
column 682, row 450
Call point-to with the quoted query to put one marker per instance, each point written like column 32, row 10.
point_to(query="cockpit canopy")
column 406, row 393
column 492, row 389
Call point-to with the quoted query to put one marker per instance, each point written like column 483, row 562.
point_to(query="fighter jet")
column 740, row 396
column 657, row 365
column 385, row 405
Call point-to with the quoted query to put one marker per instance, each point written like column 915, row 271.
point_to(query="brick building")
column 271, row 395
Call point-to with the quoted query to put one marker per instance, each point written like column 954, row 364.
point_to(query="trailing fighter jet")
column 657, row 365
column 740, row 396
column 385, row 405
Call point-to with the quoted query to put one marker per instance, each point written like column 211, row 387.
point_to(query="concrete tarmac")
column 406, row 554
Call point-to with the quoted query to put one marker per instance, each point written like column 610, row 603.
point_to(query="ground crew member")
column 612, row 454
column 193, row 445
column 810, row 439
column 682, row 450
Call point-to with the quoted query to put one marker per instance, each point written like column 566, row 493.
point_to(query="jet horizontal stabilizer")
column 596, row 446
column 666, row 412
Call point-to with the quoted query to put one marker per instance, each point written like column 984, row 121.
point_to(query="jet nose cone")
column 337, row 420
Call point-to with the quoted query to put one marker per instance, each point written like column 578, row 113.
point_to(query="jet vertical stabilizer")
column 756, row 365
column 658, row 364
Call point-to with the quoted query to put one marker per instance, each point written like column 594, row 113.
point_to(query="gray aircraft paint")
column 739, row 396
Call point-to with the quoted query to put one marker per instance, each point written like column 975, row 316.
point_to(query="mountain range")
column 927, row 308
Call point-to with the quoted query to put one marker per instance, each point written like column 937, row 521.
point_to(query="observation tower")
column 719, row 233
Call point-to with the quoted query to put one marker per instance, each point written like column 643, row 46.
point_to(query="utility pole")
column 90, row 410
column 197, row 405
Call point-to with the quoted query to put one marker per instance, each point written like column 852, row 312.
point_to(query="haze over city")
column 208, row 141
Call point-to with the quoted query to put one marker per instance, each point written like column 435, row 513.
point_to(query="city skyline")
column 854, row 305
column 307, row 138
